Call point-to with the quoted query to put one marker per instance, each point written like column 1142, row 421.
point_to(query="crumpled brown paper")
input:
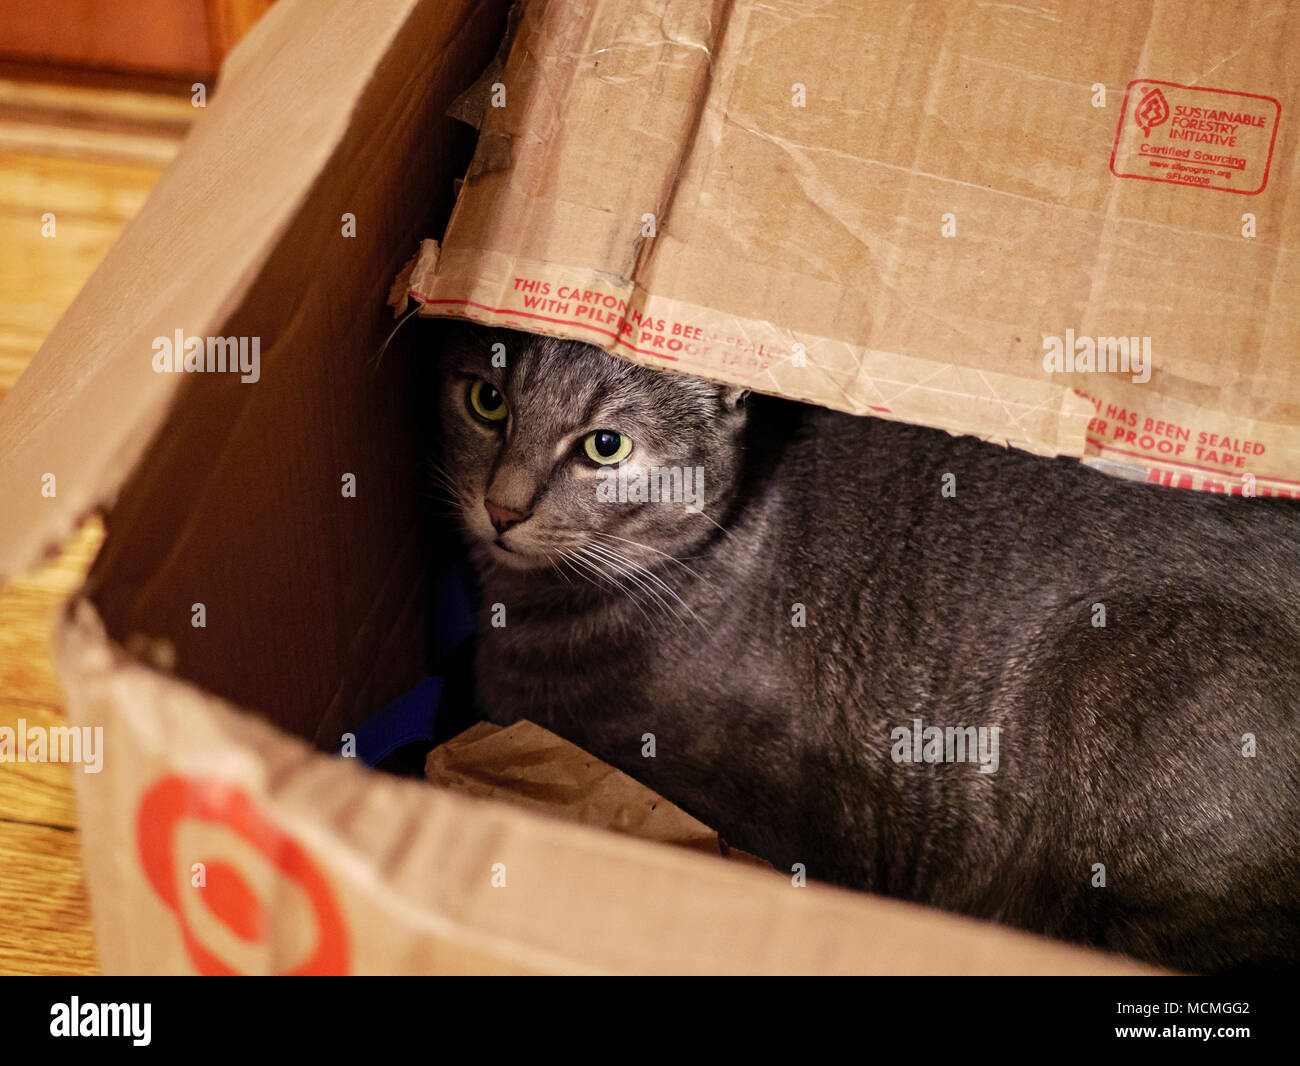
column 531, row 767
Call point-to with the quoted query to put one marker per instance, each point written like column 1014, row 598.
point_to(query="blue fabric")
column 415, row 716
column 456, row 597
column 404, row 721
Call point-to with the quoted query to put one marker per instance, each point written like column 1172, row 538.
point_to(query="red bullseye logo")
column 228, row 896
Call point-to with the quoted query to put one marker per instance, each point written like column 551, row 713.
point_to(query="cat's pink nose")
column 502, row 517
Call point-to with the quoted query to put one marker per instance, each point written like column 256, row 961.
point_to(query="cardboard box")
column 219, row 837
column 946, row 213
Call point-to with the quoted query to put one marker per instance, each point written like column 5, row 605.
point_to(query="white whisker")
column 715, row 522
column 621, row 572
column 643, row 576
column 671, row 558
column 598, row 572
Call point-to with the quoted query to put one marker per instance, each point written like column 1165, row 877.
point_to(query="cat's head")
column 554, row 450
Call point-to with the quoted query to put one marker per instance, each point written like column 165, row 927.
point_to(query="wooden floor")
column 89, row 157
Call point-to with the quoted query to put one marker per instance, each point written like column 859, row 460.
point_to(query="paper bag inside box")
column 529, row 766
column 219, row 837
column 1070, row 228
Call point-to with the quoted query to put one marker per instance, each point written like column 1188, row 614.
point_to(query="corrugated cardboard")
column 890, row 207
column 218, row 836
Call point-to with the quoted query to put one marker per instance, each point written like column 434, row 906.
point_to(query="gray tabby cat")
column 782, row 636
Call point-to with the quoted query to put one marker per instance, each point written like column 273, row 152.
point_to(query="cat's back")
column 1129, row 641
column 958, row 504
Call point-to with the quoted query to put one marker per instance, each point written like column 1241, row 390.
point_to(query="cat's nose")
column 502, row 517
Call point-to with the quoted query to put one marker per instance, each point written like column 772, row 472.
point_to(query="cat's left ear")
column 733, row 397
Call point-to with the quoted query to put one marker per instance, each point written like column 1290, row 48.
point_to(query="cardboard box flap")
column 87, row 407
column 296, row 504
column 913, row 210
column 368, row 873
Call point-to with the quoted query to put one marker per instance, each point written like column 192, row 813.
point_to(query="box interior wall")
column 316, row 604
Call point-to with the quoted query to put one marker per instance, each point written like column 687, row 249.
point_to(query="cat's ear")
column 733, row 397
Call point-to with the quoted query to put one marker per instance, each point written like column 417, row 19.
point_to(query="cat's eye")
column 486, row 402
column 606, row 447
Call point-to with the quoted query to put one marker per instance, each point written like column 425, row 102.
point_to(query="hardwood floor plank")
column 89, row 156
column 39, row 792
column 73, row 187
column 28, row 608
column 46, row 927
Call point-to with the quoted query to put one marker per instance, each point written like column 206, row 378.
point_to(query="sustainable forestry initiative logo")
column 1195, row 135
column 1152, row 110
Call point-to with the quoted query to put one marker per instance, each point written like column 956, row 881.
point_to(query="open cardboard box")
column 228, row 495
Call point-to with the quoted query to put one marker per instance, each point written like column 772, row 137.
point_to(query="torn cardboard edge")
column 471, row 106
column 1041, row 417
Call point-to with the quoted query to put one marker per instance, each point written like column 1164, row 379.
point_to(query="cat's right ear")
column 733, row 398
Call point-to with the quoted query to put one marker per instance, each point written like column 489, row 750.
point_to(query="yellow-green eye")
column 604, row 446
column 486, row 401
